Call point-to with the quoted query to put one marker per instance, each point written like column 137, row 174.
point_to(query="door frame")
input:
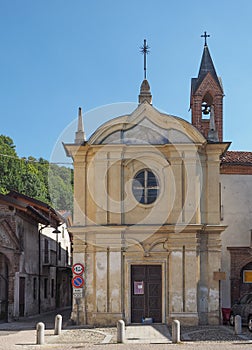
column 127, row 288
column 145, row 297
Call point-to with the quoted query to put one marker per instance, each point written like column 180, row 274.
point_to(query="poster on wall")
column 138, row 287
column 247, row 276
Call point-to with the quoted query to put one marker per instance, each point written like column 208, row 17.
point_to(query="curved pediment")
column 146, row 125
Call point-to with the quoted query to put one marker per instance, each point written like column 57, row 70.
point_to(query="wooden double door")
column 146, row 293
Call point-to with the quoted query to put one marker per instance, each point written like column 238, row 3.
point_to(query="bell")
column 206, row 109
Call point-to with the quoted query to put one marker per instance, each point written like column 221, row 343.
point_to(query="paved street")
column 22, row 335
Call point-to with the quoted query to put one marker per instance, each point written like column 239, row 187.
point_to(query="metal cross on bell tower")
column 205, row 35
column 145, row 50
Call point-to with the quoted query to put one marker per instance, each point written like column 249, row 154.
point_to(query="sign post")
column 78, row 283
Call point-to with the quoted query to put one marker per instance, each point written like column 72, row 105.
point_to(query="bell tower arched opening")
column 206, row 104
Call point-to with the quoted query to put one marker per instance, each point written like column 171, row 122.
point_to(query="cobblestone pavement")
column 105, row 339
column 22, row 335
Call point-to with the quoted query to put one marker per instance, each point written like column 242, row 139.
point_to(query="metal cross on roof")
column 145, row 50
column 205, row 35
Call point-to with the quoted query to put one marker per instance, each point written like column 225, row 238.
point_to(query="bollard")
column 175, row 331
column 120, row 331
column 58, row 324
column 40, row 333
column 238, row 324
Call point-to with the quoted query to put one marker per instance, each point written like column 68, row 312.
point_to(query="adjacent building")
column 236, row 213
column 35, row 257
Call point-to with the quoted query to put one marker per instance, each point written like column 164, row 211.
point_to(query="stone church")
column 148, row 212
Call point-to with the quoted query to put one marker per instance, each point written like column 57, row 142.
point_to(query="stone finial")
column 80, row 134
column 145, row 93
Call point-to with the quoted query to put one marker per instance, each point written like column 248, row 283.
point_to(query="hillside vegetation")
column 37, row 178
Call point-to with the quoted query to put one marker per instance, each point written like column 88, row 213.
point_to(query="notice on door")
column 138, row 287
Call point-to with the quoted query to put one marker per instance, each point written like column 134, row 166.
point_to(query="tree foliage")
column 36, row 178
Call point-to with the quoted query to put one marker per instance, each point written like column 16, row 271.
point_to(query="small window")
column 46, row 251
column 145, row 187
column 59, row 255
column 52, row 288
column 45, row 288
column 67, row 256
column 34, row 288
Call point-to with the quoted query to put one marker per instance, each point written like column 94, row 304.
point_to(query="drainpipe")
column 57, row 296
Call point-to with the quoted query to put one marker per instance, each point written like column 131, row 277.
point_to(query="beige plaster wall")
column 236, row 200
column 180, row 231
column 189, row 190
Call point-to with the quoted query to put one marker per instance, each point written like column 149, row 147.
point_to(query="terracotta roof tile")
column 237, row 158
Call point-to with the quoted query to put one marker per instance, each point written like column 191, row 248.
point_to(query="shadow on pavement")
column 28, row 323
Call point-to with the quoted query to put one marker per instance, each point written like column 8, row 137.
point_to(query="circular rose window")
column 145, row 187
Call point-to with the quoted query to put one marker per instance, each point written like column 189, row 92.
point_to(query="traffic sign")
column 78, row 269
column 77, row 292
column 77, row 281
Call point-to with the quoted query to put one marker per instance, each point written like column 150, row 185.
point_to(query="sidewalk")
column 48, row 318
column 151, row 334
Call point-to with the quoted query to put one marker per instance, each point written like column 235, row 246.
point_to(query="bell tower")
column 207, row 99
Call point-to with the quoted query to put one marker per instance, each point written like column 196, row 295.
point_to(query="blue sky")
column 57, row 55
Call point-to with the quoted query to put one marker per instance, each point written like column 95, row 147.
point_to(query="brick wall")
column 236, row 169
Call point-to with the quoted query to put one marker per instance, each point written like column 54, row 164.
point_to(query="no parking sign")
column 77, row 281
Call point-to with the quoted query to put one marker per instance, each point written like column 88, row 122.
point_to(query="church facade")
column 147, row 223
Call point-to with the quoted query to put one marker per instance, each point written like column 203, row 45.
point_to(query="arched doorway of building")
column 3, row 287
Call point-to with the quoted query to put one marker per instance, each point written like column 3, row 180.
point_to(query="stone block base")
column 186, row 319
column 103, row 318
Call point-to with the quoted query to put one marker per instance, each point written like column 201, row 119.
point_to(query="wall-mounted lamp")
column 56, row 231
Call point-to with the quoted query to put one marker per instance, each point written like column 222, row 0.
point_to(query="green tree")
column 9, row 165
column 61, row 186
column 38, row 179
